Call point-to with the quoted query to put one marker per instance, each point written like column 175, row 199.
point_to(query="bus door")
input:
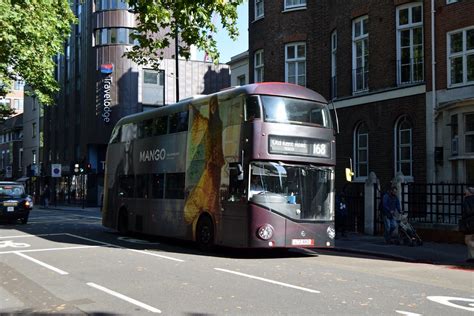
column 234, row 219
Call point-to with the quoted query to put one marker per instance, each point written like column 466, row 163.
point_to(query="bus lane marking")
column 453, row 302
column 120, row 247
column 47, row 249
column 268, row 280
column 125, row 298
column 41, row 263
column 10, row 243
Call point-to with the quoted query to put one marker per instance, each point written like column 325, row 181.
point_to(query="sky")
column 228, row 48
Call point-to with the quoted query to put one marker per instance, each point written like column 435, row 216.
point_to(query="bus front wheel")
column 205, row 233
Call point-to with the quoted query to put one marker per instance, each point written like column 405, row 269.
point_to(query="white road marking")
column 268, row 280
column 120, row 247
column 125, row 298
column 10, row 243
column 156, row 255
column 25, row 236
column 446, row 300
column 42, row 263
column 47, row 249
column 408, row 313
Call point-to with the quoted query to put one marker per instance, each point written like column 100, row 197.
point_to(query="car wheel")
column 205, row 233
column 24, row 220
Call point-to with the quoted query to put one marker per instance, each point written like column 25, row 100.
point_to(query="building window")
column 258, row 65
column 404, row 147
column 410, row 43
column 469, row 133
column 461, row 57
column 258, row 9
column 360, row 54
column 153, row 77
column 291, row 4
column 334, row 64
column 114, row 35
column 33, row 155
column 18, row 105
column 451, row 1
column 241, row 80
column 295, row 63
column 361, row 154
column 33, row 130
column 101, row 5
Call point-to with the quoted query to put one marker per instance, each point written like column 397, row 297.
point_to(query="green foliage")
column 192, row 18
column 32, row 32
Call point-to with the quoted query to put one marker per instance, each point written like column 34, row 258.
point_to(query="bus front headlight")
column 265, row 232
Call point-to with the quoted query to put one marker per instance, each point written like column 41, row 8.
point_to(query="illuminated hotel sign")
column 107, row 69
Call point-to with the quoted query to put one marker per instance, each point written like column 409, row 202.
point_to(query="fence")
column 433, row 202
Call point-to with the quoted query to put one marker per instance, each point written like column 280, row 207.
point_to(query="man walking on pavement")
column 390, row 205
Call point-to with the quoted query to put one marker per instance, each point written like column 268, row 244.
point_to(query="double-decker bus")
column 251, row 166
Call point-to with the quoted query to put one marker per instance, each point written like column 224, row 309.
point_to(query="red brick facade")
column 314, row 24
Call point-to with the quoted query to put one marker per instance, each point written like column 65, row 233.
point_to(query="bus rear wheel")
column 205, row 233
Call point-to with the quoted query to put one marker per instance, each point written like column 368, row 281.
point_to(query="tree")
column 32, row 32
column 191, row 19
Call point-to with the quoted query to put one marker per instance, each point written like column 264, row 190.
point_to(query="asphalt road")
column 66, row 262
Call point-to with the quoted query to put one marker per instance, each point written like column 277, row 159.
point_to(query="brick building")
column 372, row 58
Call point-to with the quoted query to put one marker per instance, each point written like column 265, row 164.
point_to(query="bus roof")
column 262, row 88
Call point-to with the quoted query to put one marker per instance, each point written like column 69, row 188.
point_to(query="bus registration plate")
column 302, row 242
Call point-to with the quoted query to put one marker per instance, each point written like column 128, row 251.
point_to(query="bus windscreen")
column 298, row 192
column 289, row 110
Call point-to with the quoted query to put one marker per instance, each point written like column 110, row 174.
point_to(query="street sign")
column 56, row 170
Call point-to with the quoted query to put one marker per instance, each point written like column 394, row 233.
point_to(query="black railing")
column 433, row 203
column 411, row 71
column 360, row 79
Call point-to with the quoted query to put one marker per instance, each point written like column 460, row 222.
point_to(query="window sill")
column 258, row 19
column 286, row 10
column 460, row 85
column 359, row 92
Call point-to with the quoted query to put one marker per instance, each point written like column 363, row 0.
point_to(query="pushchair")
column 407, row 233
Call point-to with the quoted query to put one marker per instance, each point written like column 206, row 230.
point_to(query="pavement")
column 452, row 254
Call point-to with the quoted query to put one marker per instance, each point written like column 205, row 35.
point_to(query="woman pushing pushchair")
column 397, row 229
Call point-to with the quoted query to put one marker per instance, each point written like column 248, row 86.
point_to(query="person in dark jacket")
column 467, row 222
column 390, row 205
column 341, row 214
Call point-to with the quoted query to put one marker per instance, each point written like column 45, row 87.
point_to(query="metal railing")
column 435, row 203
column 360, row 79
column 411, row 71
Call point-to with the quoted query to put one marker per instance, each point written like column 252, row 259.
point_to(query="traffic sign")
column 56, row 170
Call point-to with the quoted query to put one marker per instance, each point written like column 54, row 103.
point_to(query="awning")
column 22, row 179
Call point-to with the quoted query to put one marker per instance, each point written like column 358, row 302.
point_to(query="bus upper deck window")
column 252, row 108
column 179, row 122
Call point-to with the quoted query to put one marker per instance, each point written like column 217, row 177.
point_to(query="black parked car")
column 15, row 204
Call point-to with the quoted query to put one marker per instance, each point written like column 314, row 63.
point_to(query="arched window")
column 361, row 150
column 404, row 146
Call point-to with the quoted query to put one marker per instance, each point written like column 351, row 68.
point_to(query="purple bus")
column 248, row 167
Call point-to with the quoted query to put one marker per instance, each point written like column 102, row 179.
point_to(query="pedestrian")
column 341, row 214
column 390, row 207
column 46, row 196
column 467, row 222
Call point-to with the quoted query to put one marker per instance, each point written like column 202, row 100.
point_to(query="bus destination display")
column 299, row 146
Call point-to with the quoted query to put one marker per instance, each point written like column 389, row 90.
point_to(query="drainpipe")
column 433, row 83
